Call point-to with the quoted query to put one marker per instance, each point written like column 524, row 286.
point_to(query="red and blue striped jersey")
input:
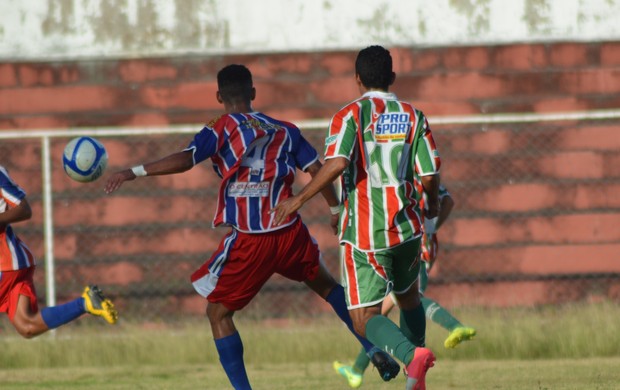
column 256, row 157
column 14, row 254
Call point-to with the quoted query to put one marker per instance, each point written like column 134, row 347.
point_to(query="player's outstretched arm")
column 324, row 177
column 174, row 163
column 329, row 194
column 21, row 212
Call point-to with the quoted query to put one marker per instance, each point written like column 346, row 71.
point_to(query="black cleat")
column 384, row 363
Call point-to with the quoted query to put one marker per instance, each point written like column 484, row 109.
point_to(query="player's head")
column 234, row 83
column 373, row 68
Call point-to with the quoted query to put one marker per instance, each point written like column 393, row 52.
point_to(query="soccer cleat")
column 97, row 304
column 388, row 367
column 354, row 379
column 462, row 333
column 423, row 359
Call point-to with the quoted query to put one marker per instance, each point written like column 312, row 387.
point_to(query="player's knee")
column 216, row 312
column 25, row 328
column 410, row 300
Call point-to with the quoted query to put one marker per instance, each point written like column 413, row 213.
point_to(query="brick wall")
column 442, row 81
column 526, row 225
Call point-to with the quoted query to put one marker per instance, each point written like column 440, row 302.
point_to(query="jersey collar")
column 380, row 95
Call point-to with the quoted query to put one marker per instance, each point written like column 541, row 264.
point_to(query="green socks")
column 413, row 325
column 439, row 315
column 361, row 362
column 383, row 333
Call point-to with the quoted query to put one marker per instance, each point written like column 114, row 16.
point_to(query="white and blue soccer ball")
column 84, row 159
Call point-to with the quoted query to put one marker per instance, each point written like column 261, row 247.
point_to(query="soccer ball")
column 84, row 159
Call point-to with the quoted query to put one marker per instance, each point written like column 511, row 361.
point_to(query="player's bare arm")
column 21, row 212
column 174, row 163
column 445, row 208
column 324, row 177
column 329, row 193
column 431, row 211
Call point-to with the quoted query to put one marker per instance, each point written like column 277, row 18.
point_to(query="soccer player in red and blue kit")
column 18, row 297
column 256, row 157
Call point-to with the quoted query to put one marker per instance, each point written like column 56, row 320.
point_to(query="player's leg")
column 325, row 285
column 229, row 280
column 302, row 262
column 371, row 281
column 228, row 344
column 27, row 323
column 458, row 332
column 362, row 360
column 23, row 311
column 439, row 315
column 412, row 316
column 413, row 326
column 30, row 323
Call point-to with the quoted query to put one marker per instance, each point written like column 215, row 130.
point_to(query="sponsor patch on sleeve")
column 331, row 139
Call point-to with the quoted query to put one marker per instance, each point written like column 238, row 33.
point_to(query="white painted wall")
column 43, row 29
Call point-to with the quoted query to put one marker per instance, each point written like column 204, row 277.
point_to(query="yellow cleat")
column 97, row 304
column 462, row 333
column 354, row 379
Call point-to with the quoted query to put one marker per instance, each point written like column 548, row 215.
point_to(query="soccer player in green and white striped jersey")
column 434, row 311
column 378, row 144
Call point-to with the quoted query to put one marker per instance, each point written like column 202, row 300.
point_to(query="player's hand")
column 284, row 209
column 429, row 249
column 334, row 223
column 115, row 180
column 430, row 225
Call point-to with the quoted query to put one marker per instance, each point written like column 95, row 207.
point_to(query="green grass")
column 568, row 347
column 557, row 374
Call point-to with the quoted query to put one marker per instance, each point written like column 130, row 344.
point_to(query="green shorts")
column 368, row 277
column 423, row 277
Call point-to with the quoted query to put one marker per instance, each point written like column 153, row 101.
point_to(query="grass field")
column 569, row 347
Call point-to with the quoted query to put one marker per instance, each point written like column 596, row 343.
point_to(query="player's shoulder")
column 351, row 107
column 270, row 123
column 412, row 108
column 218, row 121
column 288, row 125
column 4, row 171
column 5, row 178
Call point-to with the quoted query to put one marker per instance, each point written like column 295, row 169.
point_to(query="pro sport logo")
column 392, row 126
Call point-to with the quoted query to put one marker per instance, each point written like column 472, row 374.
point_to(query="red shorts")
column 12, row 285
column 244, row 262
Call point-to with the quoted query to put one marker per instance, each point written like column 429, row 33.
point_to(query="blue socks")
column 54, row 316
column 336, row 299
column 230, row 349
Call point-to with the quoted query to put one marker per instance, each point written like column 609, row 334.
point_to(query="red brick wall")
column 441, row 81
column 562, row 220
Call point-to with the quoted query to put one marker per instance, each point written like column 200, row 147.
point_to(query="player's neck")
column 364, row 90
column 238, row 108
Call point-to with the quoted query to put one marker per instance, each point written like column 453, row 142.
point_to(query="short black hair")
column 374, row 67
column 234, row 82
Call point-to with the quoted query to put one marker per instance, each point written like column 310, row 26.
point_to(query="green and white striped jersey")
column 387, row 142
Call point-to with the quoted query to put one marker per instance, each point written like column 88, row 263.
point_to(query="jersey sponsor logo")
column 331, row 139
column 213, row 121
column 256, row 124
column 392, row 126
column 248, row 189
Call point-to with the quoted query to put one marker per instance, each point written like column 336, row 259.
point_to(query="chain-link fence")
column 536, row 220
